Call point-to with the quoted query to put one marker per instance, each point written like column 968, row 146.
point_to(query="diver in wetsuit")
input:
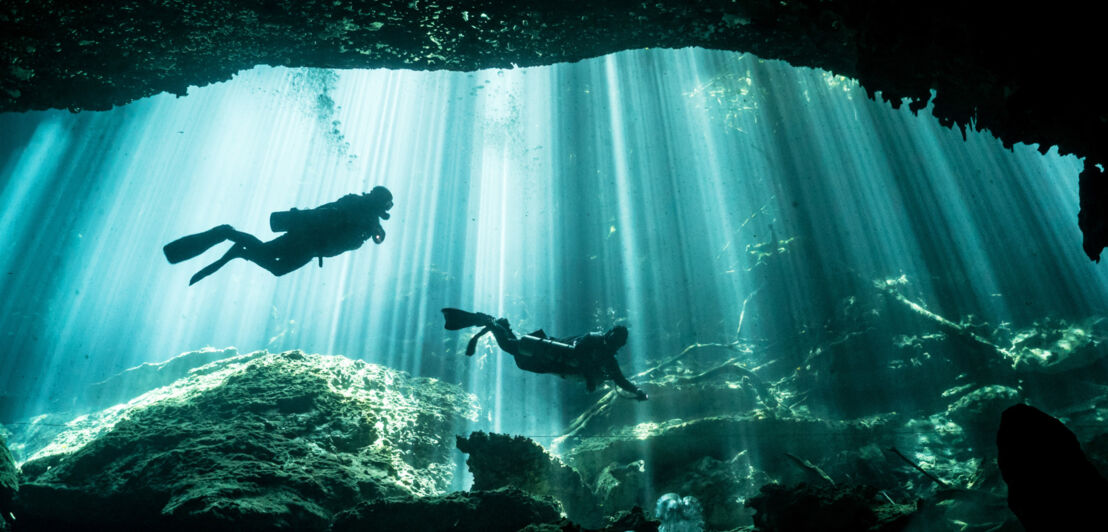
column 325, row 231
column 591, row 356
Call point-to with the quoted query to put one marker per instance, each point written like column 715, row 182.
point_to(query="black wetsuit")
column 325, row 231
column 586, row 356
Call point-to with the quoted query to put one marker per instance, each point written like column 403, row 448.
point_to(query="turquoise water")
column 693, row 196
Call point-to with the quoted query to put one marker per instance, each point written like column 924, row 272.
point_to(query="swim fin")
column 459, row 319
column 232, row 253
column 187, row 247
column 471, row 347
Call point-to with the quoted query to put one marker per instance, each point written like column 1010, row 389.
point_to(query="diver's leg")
column 278, row 256
column 246, row 246
column 505, row 338
column 246, row 240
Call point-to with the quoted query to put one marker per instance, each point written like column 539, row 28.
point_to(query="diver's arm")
column 617, row 377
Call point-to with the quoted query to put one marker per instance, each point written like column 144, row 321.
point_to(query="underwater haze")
column 697, row 197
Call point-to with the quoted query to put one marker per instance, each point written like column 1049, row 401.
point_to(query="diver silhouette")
column 590, row 356
column 325, row 231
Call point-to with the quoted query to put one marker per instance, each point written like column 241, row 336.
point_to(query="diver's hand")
column 641, row 396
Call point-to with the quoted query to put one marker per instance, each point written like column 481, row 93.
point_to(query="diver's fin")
column 459, row 319
column 187, row 247
column 471, row 347
column 213, row 267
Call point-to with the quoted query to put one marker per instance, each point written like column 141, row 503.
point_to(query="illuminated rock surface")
column 138, row 380
column 260, row 440
column 499, row 461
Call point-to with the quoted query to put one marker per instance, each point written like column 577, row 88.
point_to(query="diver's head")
column 616, row 337
column 381, row 200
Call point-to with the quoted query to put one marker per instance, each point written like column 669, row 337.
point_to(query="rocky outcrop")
column 506, row 510
column 1051, row 484
column 499, row 461
column 9, row 481
column 273, row 441
column 803, row 508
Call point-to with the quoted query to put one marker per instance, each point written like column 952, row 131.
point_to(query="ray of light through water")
column 649, row 188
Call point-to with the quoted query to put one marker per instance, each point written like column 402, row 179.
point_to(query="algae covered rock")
column 499, row 460
column 981, row 408
column 275, row 441
column 1057, row 346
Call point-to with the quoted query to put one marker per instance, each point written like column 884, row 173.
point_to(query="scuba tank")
column 538, row 345
column 282, row 221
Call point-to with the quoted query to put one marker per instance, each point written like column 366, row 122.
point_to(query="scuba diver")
column 591, row 356
column 325, row 231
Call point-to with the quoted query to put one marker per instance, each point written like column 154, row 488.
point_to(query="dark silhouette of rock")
column 634, row 520
column 804, row 508
column 506, row 510
column 9, row 481
column 499, row 460
column 1051, row 484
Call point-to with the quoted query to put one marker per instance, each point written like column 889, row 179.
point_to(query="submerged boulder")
column 499, row 460
column 803, row 507
column 1051, row 484
column 275, row 441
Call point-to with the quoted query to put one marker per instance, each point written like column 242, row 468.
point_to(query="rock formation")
column 501, row 510
column 138, row 380
column 9, row 481
column 1051, row 484
column 274, row 441
column 803, row 508
column 499, row 461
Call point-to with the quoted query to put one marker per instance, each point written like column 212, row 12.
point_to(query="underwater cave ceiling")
column 1026, row 75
